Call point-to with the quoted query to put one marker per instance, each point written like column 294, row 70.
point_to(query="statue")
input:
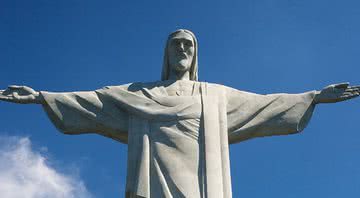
column 178, row 129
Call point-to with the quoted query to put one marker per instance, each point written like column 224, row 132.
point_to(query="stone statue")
column 178, row 130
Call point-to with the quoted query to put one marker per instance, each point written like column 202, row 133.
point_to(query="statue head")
column 180, row 57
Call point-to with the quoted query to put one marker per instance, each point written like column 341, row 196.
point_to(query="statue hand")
column 337, row 93
column 20, row 94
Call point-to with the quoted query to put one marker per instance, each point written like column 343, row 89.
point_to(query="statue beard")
column 183, row 65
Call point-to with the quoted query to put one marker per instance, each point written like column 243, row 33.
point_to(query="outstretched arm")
column 336, row 93
column 75, row 112
column 21, row 95
column 253, row 115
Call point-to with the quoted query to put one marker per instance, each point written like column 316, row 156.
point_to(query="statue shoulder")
column 230, row 91
column 218, row 86
column 133, row 87
column 115, row 87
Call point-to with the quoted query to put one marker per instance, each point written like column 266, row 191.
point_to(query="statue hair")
column 194, row 64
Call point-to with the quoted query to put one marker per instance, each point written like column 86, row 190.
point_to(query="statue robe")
column 178, row 145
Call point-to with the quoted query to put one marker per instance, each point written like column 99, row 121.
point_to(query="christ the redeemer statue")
column 178, row 130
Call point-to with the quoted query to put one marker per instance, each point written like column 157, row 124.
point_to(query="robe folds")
column 178, row 146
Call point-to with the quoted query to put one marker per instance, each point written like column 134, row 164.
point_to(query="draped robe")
column 178, row 145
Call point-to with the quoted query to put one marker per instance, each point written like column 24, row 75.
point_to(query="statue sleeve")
column 86, row 112
column 253, row 115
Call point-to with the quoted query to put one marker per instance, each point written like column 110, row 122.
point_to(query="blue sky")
column 259, row 46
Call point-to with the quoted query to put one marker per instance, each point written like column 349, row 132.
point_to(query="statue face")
column 181, row 51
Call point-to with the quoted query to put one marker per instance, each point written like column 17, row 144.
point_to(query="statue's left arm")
column 254, row 115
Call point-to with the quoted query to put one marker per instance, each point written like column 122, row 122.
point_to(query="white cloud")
column 25, row 173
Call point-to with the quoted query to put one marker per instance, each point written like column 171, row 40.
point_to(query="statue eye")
column 188, row 43
column 175, row 42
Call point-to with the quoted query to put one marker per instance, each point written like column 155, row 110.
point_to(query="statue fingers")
column 28, row 89
column 353, row 91
column 355, row 87
column 9, row 98
column 349, row 96
column 16, row 96
column 350, row 93
column 7, row 92
column 6, row 98
column 26, row 99
column 22, row 90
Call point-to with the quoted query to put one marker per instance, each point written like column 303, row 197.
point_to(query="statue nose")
column 181, row 46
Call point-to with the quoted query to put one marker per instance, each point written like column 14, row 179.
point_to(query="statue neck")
column 179, row 75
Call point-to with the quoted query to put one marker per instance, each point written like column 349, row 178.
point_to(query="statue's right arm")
column 76, row 112
column 21, row 95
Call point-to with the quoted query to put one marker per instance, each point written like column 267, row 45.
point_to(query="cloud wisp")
column 25, row 173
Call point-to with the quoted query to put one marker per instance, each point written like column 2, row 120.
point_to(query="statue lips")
column 182, row 59
column 182, row 55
